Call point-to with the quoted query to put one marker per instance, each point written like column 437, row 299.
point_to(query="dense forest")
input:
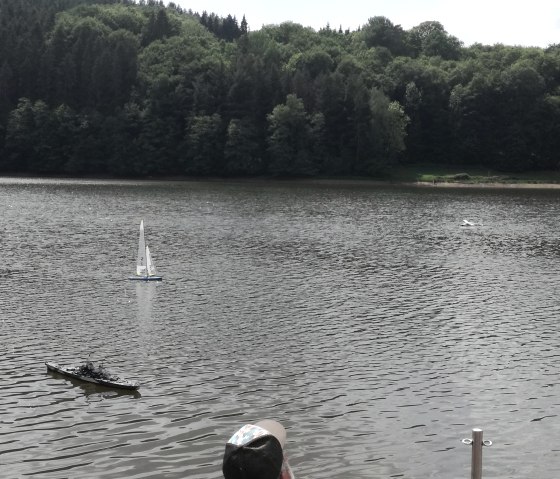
column 125, row 88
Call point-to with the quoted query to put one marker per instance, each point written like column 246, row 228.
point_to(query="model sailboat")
column 145, row 268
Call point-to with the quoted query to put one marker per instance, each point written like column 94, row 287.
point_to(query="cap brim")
column 274, row 428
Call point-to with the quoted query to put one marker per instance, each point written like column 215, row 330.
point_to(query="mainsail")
column 141, row 260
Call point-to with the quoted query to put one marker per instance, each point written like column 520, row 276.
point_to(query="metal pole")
column 476, row 443
column 476, row 463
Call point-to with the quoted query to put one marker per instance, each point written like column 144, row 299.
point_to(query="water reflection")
column 145, row 294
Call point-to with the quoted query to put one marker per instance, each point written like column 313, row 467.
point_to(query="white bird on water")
column 470, row 223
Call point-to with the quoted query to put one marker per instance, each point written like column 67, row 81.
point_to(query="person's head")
column 256, row 451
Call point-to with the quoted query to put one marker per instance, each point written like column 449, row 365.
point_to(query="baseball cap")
column 256, row 451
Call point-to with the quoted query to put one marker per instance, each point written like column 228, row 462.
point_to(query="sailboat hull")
column 146, row 278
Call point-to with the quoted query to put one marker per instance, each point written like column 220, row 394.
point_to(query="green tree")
column 431, row 39
column 389, row 123
column 242, row 153
column 336, row 107
column 381, row 32
column 290, row 141
column 244, row 26
column 204, row 146
column 158, row 27
column 20, row 135
column 7, row 89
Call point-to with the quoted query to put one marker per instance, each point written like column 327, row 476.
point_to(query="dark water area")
column 366, row 319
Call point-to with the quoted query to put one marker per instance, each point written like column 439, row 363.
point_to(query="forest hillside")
column 136, row 89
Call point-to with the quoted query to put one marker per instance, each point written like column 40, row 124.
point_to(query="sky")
column 511, row 22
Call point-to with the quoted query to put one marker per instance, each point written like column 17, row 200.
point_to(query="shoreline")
column 312, row 181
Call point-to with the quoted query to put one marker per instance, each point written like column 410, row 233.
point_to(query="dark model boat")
column 92, row 374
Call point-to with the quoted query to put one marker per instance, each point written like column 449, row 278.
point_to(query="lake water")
column 364, row 318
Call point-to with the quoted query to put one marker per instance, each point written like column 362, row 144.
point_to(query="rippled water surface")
column 365, row 318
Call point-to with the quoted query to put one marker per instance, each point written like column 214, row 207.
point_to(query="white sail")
column 141, row 259
column 145, row 267
column 151, row 268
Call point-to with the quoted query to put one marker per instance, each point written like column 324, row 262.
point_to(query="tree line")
column 125, row 88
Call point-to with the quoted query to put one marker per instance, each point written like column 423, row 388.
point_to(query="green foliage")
column 290, row 143
column 137, row 88
column 242, row 152
column 224, row 28
column 389, row 123
column 431, row 39
column 204, row 148
column 380, row 32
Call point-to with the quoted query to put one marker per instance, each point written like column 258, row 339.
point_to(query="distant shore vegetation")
column 142, row 89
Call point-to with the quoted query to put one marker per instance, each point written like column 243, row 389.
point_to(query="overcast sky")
column 511, row 22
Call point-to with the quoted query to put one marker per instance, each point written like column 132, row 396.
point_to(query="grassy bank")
column 470, row 176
